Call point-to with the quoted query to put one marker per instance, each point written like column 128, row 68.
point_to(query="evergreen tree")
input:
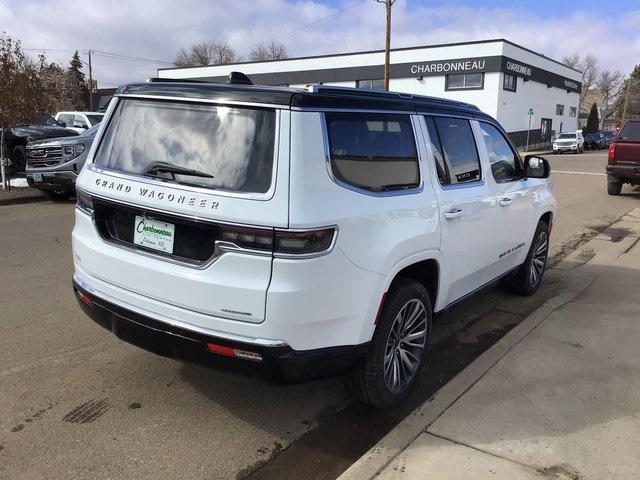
column 593, row 121
column 77, row 92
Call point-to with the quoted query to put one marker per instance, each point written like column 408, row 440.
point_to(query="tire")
column 386, row 376
column 59, row 195
column 614, row 188
column 19, row 159
column 526, row 280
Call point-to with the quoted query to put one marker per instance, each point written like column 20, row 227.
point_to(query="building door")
column 545, row 130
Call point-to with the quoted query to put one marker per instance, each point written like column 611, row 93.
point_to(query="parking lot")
column 79, row 403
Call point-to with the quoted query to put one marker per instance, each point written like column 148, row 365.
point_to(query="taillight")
column 251, row 238
column 84, row 202
column 282, row 243
column 309, row 242
column 612, row 153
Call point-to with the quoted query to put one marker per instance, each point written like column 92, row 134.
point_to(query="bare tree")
column 205, row 53
column 272, row 51
column 588, row 65
column 609, row 84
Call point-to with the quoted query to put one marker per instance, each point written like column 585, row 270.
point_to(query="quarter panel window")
column 458, row 149
column 375, row 152
column 505, row 165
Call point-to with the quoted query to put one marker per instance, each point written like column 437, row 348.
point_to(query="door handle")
column 505, row 202
column 455, row 213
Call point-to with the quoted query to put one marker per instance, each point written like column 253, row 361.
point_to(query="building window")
column 370, row 84
column 573, row 111
column 559, row 109
column 465, row 81
column 510, row 82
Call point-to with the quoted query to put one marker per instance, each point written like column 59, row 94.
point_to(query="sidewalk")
column 558, row 397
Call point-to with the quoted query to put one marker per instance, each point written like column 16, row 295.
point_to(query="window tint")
column 505, row 164
column 436, row 147
column 459, row 149
column 230, row 148
column 375, row 152
column 630, row 132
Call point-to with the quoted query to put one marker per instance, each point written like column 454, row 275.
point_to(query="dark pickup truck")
column 16, row 137
column 624, row 158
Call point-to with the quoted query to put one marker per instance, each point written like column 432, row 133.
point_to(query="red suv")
column 624, row 158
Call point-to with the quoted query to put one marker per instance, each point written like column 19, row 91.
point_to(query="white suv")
column 569, row 142
column 303, row 230
column 79, row 121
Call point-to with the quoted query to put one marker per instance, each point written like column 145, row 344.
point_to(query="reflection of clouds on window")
column 234, row 145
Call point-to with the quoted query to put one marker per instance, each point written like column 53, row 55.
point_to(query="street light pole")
column 387, row 47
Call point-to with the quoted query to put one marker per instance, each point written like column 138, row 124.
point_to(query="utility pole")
column 90, row 82
column 387, row 47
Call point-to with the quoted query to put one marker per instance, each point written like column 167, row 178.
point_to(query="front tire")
column 398, row 347
column 527, row 278
column 59, row 195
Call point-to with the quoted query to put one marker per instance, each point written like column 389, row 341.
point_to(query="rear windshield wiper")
column 174, row 170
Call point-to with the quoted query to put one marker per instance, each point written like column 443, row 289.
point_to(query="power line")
column 312, row 23
column 127, row 57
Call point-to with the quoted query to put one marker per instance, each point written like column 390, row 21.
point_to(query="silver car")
column 54, row 164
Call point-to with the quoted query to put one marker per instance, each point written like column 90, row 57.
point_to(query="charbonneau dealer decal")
column 146, row 192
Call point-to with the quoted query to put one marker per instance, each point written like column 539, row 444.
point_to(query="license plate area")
column 193, row 240
column 154, row 234
column 37, row 177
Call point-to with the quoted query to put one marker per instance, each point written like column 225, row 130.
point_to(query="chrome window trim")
column 390, row 193
column 263, row 197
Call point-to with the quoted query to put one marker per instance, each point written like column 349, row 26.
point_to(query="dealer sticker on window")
column 153, row 234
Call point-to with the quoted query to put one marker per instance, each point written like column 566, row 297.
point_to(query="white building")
column 503, row 79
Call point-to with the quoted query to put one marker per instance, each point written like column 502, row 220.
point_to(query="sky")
column 154, row 30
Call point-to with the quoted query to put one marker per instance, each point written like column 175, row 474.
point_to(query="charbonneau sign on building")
column 466, row 66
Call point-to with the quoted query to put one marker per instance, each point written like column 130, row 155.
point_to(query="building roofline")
column 364, row 52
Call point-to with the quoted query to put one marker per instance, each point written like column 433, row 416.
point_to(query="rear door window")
column 457, row 148
column 217, row 147
column 375, row 152
column 630, row 132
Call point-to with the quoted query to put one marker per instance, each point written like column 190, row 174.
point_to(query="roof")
column 438, row 45
column 316, row 97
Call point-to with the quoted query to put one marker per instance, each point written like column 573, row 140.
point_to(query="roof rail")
column 174, row 80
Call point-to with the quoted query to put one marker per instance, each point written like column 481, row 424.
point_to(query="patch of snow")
column 18, row 182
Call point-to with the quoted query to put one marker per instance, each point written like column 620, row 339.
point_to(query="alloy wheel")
column 539, row 258
column 405, row 345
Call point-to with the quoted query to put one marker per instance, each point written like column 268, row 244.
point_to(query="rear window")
column 630, row 132
column 375, row 152
column 217, row 147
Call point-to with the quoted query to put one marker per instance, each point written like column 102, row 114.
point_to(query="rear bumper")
column 64, row 180
column 624, row 173
column 176, row 342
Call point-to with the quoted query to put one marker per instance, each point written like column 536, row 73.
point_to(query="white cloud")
column 155, row 29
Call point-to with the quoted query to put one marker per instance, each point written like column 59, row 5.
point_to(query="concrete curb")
column 381, row 454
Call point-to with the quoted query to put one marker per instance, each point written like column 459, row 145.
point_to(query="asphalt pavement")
column 79, row 403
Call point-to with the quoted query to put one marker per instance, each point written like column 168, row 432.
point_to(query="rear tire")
column 59, row 195
column 614, row 188
column 397, row 350
column 526, row 280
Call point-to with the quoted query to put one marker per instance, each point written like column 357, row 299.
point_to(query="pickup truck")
column 624, row 158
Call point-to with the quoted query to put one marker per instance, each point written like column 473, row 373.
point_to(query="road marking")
column 578, row 173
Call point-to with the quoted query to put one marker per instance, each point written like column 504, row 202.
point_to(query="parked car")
column 53, row 165
column 608, row 137
column 16, row 137
column 624, row 158
column 595, row 141
column 302, row 230
column 79, row 121
column 569, row 142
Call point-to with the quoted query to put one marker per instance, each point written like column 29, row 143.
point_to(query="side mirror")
column 536, row 167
